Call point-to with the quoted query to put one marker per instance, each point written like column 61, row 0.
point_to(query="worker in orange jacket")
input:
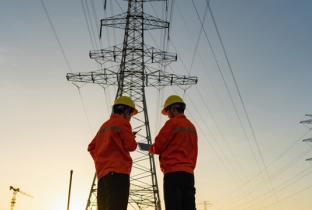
column 110, row 150
column 176, row 145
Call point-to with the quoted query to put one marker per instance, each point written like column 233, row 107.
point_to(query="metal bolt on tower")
column 132, row 76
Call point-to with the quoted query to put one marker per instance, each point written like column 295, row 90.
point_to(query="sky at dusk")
column 254, row 88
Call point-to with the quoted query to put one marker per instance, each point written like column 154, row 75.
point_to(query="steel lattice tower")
column 132, row 76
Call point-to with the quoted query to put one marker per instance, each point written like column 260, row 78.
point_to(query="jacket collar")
column 179, row 116
column 118, row 116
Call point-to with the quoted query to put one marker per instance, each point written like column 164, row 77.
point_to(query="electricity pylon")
column 307, row 122
column 205, row 204
column 134, row 73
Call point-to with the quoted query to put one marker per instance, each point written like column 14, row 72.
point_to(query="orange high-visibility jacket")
column 111, row 146
column 176, row 144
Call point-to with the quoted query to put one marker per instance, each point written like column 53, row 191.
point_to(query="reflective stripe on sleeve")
column 112, row 127
column 190, row 130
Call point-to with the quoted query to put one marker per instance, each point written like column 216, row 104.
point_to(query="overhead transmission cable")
column 172, row 43
column 199, row 37
column 198, row 91
column 93, row 35
column 91, row 23
column 56, row 35
column 113, row 29
column 277, row 175
column 296, row 193
column 279, row 188
column 225, row 83
column 96, row 19
column 213, row 136
column 241, row 99
column 65, row 57
column 212, row 146
column 222, row 157
column 282, row 154
column 92, row 41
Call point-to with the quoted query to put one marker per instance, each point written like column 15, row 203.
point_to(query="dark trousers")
column 113, row 192
column 179, row 191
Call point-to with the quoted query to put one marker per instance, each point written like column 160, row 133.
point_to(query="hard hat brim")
column 164, row 112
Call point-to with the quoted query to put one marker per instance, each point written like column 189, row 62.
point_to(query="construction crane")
column 15, row 191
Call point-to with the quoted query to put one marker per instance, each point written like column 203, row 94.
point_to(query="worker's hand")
column 135, row 132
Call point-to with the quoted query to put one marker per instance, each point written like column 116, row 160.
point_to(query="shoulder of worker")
column 115, row 122
column 182, row 119
column 120, row 121
column 178, row 118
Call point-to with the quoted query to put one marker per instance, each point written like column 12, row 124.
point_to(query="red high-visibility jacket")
column 176, row 144
column 111, row 146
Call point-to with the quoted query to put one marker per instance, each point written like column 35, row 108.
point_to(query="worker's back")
column 179, row 153
column 111, row 145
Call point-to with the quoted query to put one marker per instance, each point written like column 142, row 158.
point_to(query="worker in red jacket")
column 110, row 150
column 176, row 145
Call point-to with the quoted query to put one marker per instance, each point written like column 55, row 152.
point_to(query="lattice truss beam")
column 157, row 78
column 120, row 21
column 152, row 55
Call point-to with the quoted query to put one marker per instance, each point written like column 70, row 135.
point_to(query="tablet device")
column 144, row 146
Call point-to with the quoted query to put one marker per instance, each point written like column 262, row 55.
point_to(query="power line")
column 90, row 21
column 206, row 104
column 241, row 98
column 92, row 41
column 223, row 158
column 66, row 60
column 199, row 36
column 56, row 35
column 282, row 154
column 226, row 85
column 279, row 188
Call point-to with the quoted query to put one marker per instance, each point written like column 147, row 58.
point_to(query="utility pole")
column 307, row 122
column 69, row 188
column 132, row 76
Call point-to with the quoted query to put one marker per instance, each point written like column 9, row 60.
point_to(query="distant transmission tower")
column 307, row 122
column 134, row 73
column 205, row 204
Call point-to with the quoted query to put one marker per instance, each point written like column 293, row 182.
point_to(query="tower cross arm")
column 306, row 121
column 151, row 22
column 161, row 79
column 307, row 140
column 101, row 77
column 112, row 54
column 119, row 21
column 154, row 55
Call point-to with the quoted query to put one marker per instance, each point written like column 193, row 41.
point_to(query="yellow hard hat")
column 126, row 100
column 171, row 100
